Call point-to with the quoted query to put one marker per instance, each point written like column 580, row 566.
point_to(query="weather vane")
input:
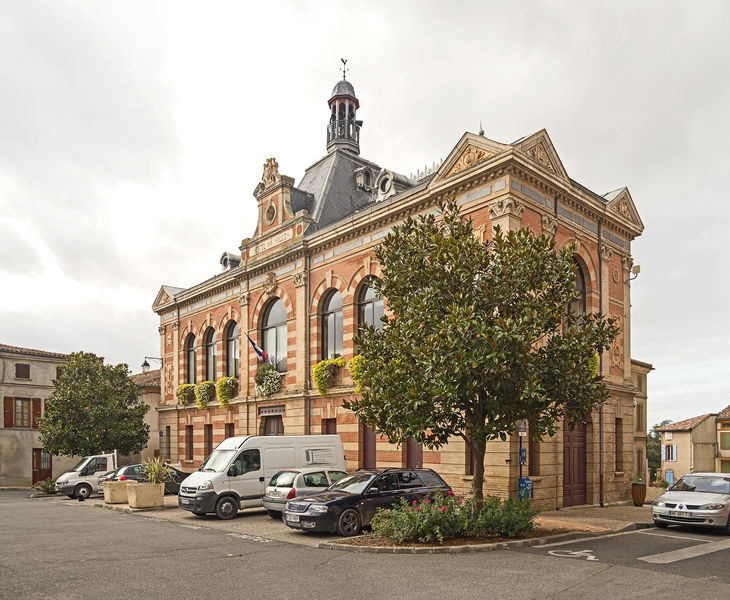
column 344, row 67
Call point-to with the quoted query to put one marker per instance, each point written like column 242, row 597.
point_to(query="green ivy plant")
column 186, row 394
column 323, row 370
column 267, row 380
column 226, row 388
column 205, row 392
column 355, row 366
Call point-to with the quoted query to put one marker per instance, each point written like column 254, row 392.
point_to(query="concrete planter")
column 146, row 495
column 115, row 492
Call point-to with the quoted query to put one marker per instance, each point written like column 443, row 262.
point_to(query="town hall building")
column 301, row 286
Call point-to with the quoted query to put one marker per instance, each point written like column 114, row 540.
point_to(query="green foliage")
column 663, row 483
column 267, row 380
column 47, row 486
column 654, row 447
column 447, row 516
column 227, row 388
column 204, row 393
column 156, row 471
column 356, row 371
column 323, row 370
column 94, row 408
column 479, row 336
column 186, row 394
column 638, row 478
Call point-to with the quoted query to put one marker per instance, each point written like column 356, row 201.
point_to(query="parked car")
column 297, row 483
column 136, row 473
column 349, row 504
column 697, row 499
column 105, row 477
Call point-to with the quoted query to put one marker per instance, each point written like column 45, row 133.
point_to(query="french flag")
column 262, row 355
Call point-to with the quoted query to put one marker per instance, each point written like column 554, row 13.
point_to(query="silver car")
column 297, row 483
column 697, row 499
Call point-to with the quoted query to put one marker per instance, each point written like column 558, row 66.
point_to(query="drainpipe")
column 307, row 387
column 600, row 363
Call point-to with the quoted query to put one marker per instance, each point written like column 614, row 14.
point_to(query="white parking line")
column 666, row 558
column 679, row 537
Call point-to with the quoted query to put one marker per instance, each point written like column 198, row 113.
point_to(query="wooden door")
column 41, row 465
column 574, row 464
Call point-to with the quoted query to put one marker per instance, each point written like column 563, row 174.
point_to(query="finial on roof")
column 481, row 129
column 344, row 68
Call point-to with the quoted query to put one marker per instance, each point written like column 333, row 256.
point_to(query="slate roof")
column 31, row 352
column 149, row 379
column 686, row 425
column 343, row 88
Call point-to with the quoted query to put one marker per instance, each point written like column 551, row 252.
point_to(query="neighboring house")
column 149, row 389
column 723, row 441
column 688, row 446
column 301, row 287
column 26, row 381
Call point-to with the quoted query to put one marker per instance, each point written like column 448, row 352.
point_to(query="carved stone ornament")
column 540, row 155
column 617, row 353
column 176, row 326
column 624, row 210
column 168, row 379
column 549, row 225
column 270, row 283
column 161, row 329
column 271, row 172
column 506, row 206
column 471, row 157
column 300, row 279
column 243, row 300
column 606, row 252
column 627, row 262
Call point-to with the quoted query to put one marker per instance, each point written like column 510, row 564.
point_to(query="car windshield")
column 353, row 484
column 283, row 479
column 217, row 460
column 81, row 463
column 699, row 483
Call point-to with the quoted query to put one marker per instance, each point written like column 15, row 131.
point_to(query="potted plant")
column 638, row 491
column 324, row 370
column 115, row 492
column 267, row 380
column 205, row 393
column 150, row 493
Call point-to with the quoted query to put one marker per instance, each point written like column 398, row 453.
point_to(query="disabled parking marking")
column 587, row 554
column 666, row 558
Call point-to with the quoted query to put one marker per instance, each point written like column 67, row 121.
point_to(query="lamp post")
column 146, row 365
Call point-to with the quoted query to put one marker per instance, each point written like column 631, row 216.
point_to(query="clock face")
column 270, row 214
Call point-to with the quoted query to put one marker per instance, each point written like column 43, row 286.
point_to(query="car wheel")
column 274, row 514
column 226, row 508
column 661, row 524
column 349, row 523
column 82, row 490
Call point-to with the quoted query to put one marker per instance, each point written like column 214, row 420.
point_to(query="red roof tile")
column 149, row 379
column 31, row 352
column 685, row 425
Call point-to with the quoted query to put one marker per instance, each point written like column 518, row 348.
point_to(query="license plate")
column 679, row 513
column 186, row 502
column 292, row 518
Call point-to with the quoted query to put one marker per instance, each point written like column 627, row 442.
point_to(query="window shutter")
column 36, row 412
column 664, row 453
column 8, row 411
column 674, row 451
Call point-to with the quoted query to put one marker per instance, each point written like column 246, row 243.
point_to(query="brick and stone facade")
column 318, row 237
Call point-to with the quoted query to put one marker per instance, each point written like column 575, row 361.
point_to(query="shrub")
column 227, row 387
column 267, row 380
column 47, row 486
column 323, row 370
column 186, row 394
column 205, row 392
column 156, row 471
column 663, row 483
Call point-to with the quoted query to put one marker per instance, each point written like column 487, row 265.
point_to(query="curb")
column 540, row 541
column 127, row 509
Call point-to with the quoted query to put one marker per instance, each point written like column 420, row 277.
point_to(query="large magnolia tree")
column 478, row 336
column 94, row 408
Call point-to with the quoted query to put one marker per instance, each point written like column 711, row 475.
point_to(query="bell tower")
column 343, row 129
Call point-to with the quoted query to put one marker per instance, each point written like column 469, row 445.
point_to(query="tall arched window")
column 578, row 306
column 232, row 349
column 273, row 333
column 190, row 363
column 210, row 354
column 369, row 307
column 332, row 325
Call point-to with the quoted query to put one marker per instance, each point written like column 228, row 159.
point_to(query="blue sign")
column 525, row 487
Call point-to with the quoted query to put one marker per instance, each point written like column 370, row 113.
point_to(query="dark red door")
column 41, row 465
column 574, row 464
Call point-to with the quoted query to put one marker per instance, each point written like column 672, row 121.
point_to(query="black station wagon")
column 349, row 504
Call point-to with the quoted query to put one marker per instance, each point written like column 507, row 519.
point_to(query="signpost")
column 525, row 483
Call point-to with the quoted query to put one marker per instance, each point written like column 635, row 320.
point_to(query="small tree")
column 479, row 337
column 94, row 408
column 654, row 447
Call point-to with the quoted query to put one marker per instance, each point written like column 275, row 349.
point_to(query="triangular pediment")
column 620, row 201
column 165, row 296
column 470, row 151
column 539, row 149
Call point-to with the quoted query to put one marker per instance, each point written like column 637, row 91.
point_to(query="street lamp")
column 146, row 365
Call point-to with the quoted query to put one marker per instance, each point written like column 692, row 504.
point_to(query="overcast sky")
column 132, row 136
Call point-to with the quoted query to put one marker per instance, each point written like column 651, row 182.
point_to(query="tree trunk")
column 477, row 448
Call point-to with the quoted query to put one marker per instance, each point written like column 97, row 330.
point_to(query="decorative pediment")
column 539, row 149
column 468, row 152
column 165, row 296
column 620, row 201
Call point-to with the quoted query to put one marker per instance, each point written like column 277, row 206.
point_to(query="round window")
column 270, row 214
column 385, row 184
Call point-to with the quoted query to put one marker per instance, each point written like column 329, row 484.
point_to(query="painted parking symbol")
column 586, row 554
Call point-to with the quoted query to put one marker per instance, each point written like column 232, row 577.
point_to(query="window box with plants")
column 325, row 371
column 267, row 380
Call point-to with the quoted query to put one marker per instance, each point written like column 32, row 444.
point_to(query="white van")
column 83, row 479
column 235, row 474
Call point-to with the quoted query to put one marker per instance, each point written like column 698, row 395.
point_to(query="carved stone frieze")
column 169, row 384
column 539, row 154
column 606, row 252
column 469, row 158
column 270, row 284
column 300, row 279
column 271, row 172
column 506, row 206
column 624, row 210
column 161, row 329
column 617, row 351
column 549, row 225
column 627, row 262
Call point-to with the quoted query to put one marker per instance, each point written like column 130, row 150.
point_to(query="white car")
column 297, row 483
column 697, row 499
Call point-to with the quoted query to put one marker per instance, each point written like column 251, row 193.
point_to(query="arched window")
column 190, row 363
column 578, row 306
column 369, row 307
column 273, row 333
column 210, row 354
column 232, row 349
column 332, row 325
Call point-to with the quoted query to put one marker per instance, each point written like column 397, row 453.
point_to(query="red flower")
column 408, row 510
column 427, row 501
column 450, row 493
column 418, row 508
column 414, row 502
column 443, row 508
